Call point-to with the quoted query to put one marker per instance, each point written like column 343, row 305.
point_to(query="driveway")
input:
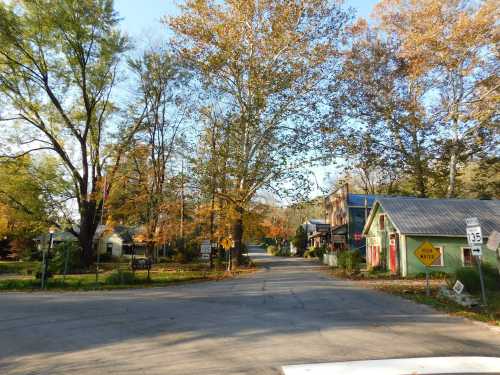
column 287, row 313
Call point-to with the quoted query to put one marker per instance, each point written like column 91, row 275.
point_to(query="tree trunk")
column 88, row 226
column 452, row 177
column 418, row 165
column 237, row 234
column 420, row 181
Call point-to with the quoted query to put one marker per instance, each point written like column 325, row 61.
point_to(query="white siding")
column 114, row 239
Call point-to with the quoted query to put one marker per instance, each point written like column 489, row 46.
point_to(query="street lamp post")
column 47, row 257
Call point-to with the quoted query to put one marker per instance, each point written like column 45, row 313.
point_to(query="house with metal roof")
column 346, row 213
column 397, row 226
column 317, row 232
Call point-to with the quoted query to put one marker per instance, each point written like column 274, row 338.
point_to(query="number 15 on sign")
column 474, row 235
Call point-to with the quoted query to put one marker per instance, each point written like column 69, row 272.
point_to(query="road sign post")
column 475, row 240
column 227, row 243
column 481, row 280
column 427, row 289
column 427, row 253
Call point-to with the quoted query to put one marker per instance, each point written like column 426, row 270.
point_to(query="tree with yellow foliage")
column 266, row 63
column 455, row 44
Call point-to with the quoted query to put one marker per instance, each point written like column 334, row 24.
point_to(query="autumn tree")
column 58, row 65
column 383, row 126
column 210, row 177
column 454, row 43
column 159, row 80
column 267, row 62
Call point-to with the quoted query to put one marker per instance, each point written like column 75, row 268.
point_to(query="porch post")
column 404, row 260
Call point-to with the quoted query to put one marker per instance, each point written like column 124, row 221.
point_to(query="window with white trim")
column 467, row 257
column 439, row 262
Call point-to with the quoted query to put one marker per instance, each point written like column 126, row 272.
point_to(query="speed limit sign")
column 474, row 235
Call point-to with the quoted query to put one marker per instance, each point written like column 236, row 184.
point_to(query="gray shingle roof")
column 440, row 216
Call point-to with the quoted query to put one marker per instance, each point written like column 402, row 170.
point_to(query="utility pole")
column 212, row 203
column 181, row 229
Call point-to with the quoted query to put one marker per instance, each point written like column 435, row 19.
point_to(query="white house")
column 118, row 241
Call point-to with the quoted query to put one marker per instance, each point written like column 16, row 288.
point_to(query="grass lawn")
column 87, row 281
column 19, row 267
column 489, row 314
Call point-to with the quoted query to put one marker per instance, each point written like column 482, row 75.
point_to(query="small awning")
column 323, row 228
column 318, row 234
column 340, row 229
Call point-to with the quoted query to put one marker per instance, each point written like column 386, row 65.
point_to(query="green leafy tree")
column 31, row 196
column 300, row 240
column 58, row 64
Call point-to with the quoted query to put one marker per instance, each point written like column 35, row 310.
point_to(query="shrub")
column 433, row 275
column 349, row 261
column 266, row 241
column 469, row 276
column 316, row 252
column 186, row 251
column 105, row 258
column 284, row 251
column 58, row 258
column 300, row 240
column 376, row 269
column 120, row 277
column 310, row 252
column 272, row 250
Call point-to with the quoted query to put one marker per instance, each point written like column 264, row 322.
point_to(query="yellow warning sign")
column 227, row 243
column 427, row 253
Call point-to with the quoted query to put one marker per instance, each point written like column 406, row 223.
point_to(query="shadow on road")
column 286, row 313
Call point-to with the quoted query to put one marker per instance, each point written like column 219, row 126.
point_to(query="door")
column 392, row 254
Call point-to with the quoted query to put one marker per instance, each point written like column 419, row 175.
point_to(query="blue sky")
column 141, row 18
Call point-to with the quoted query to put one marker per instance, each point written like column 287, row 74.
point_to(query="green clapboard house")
column 397, row 226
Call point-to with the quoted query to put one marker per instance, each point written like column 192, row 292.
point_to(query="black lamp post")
column 47, row 257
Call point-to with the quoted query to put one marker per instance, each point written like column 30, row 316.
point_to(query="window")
column 127, row 249
column 381, row 222
column 109, row 248
column 439, row 262
column 467, row 257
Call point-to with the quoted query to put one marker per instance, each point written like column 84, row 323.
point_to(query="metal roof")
column 445, row 217
column 316, row 221
column 59, row 236
column 359, row 199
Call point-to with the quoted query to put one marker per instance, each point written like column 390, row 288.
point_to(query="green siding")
column 377, row 237
column 452, row 250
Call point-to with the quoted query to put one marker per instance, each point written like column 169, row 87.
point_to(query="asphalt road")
column 287, row 313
